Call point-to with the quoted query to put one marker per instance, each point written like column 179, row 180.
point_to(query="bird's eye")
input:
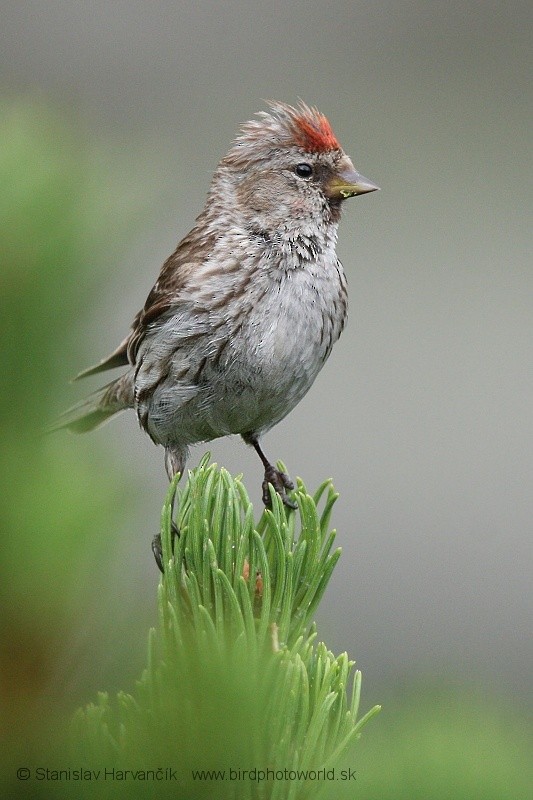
column 304, row 170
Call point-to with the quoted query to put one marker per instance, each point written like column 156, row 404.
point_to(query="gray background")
column 423, row 415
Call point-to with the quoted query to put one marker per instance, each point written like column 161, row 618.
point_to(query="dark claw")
column 157, row 549
column 280, row 481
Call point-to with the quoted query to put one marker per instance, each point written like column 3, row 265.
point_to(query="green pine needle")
column 234, row 678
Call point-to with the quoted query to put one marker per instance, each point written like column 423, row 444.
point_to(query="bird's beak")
column 348, row 183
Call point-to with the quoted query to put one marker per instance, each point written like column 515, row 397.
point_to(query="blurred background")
column 113, row 117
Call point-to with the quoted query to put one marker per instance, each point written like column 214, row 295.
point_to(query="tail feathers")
column 96, row 409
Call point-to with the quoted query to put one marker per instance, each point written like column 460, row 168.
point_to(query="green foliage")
column 64, row 207
column 234, row 677
column 439, row 743
column 54, row 228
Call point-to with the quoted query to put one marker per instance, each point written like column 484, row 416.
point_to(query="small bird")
column 245, row 311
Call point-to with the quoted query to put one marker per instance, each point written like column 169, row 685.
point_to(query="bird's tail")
column 98, row 407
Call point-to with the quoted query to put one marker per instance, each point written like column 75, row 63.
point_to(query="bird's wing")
column 118, row 358
column 188, row 257
column 190, row 252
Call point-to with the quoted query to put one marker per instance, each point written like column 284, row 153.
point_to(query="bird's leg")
column 279, row 480
column 175, row 458
column 174, row 463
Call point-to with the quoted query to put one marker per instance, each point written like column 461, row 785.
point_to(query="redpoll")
column 247, row 308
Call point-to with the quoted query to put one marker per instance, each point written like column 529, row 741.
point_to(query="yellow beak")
column 349, row 183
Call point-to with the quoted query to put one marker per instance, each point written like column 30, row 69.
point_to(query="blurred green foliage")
column 53, row 497
column 446, row 744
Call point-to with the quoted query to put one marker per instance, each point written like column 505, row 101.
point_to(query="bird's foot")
column 280, row 481
column 157, row 548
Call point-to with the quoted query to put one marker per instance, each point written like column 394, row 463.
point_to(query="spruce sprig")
column 235, row 680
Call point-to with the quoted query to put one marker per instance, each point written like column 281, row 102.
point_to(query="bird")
column 247, row 308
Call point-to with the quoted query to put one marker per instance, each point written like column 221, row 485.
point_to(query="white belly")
column 277, row 343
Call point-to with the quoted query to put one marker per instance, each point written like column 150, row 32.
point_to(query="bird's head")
column 288, row 168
